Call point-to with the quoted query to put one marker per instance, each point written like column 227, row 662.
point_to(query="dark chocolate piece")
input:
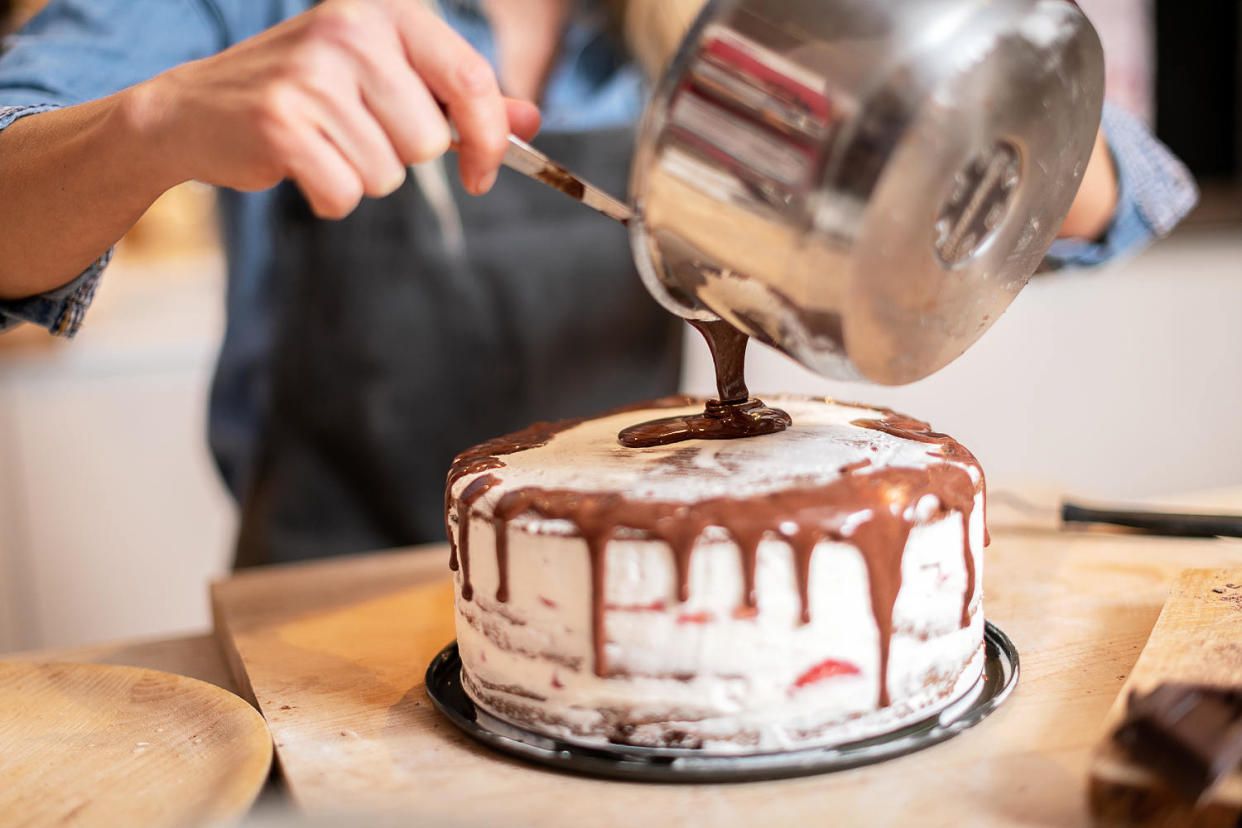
column 1190, row 735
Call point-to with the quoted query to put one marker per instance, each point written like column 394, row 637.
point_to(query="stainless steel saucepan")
column 863, row 184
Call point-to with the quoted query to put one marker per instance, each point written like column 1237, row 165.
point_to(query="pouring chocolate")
column 865, row 186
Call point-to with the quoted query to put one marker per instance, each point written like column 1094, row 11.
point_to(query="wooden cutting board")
column 1197, row 640
column 335, row 652
column 95, row 745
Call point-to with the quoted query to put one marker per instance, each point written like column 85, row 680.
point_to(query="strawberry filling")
column 829, row 668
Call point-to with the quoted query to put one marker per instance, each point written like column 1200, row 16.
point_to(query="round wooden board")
column 86, row 744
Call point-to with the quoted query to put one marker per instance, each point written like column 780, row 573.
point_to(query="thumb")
column 524, row 118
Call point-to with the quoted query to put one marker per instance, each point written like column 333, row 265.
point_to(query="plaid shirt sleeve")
column 61, row 310
column 1155, row 192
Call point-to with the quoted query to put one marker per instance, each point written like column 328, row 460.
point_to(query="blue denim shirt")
column 79, row 50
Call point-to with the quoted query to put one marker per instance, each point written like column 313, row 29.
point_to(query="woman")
column 369, row 340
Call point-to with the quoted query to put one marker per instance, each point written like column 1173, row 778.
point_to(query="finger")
column 330, row 183
column 461, row 79
column 524, row 118
column 402, row 104
column 351, row 126
column 413, row 121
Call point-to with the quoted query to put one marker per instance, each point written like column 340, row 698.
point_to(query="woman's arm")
column 339, row 99
column 1151, row 192
column 73, row 182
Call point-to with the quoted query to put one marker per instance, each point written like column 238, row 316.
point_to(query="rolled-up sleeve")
column 80, row 50
column 1155, row 191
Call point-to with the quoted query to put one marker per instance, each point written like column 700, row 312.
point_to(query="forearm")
column 72, row 182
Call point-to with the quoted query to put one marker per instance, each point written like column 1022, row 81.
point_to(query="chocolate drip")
column 748, row 548
column 486, row 456
column 500, row 529
column 970, row 571
column 680, row 531
column 594, row 517
column 885, row 542
column 820, row 513
column 597, row 548
column 803, row 543
column 477, row 488
column 731, row 416
column 908, row 428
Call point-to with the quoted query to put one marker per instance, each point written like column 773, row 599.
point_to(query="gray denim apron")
column 392, row 352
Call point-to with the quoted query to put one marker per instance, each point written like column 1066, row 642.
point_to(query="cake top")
column 826, row 441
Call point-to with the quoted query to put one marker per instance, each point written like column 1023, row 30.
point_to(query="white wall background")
column 112, row 520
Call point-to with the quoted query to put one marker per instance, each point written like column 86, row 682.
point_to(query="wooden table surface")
column 1079, row 606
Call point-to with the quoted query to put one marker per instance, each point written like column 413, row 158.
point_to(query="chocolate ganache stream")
column 802, row 517
column 733, row 414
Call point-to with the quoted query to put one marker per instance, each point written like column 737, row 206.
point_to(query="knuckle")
column 495, row 141
column 341, row 24
column 430, row 141
column 474, row 77
column 273, row 113
column 310, row 62
column 489, row 143
column 387, row 182
column 338, row 203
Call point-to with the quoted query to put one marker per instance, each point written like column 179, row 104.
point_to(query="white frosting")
column 588, row 457
column 696, row 667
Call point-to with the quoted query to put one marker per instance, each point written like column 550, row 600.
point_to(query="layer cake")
column 808, row 587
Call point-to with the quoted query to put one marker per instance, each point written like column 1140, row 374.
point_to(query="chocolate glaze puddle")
column 801, row 517
column 731, row 416
column 719, row 421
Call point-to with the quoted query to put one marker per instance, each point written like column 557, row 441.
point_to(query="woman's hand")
column 1096, row 203
column 339, row 99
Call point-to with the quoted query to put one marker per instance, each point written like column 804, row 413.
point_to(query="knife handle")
column 1157, row 523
